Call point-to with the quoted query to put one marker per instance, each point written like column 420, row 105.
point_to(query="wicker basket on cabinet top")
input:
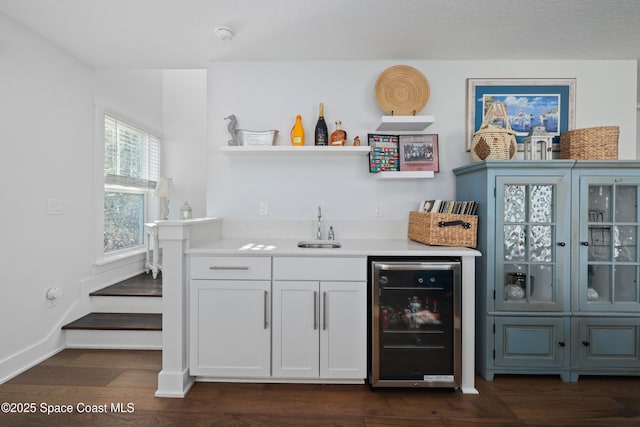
column 597, row 143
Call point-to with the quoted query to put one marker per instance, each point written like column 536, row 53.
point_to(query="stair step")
column 118, row 321
column 142, row 285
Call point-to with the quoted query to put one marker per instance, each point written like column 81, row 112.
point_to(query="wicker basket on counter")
column 597, row 143
column 442, row 229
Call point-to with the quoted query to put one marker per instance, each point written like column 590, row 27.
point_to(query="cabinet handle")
column 315, row 310
column 229, row 267
column 563, row 244
column 324, row 311
column 561, row 344
column 584, row 243
column 585, row 343
column 266, row 307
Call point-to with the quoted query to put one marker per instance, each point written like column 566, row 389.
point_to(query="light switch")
column 54, row 206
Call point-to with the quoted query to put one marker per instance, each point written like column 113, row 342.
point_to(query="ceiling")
column 169, row 34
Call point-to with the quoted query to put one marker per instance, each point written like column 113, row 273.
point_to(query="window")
column 131, row 169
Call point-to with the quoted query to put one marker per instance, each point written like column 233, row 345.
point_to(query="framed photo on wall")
column 419, row 153
column 529, row 102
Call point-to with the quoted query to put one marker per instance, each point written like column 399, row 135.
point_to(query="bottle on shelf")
column 338, row 136
column 321, row 134
column 297, row 132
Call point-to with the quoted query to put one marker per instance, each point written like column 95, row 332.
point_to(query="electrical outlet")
column 263, row 209
column 377, row 210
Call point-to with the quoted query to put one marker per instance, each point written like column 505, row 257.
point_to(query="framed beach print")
column 529, row 102
column 419, row 152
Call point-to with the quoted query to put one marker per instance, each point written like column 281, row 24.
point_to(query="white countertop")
column 350, row 248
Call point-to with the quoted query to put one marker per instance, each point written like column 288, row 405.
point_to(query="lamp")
column 538, row 135
column 164, row 190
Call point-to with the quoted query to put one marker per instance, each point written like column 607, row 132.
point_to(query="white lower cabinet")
column 319, row 329
column 306, row 321
column 230, row 324
column 230, row 328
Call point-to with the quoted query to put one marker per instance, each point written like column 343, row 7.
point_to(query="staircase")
column 126, row 315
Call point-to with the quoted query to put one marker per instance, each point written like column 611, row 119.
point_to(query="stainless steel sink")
column 319, row 244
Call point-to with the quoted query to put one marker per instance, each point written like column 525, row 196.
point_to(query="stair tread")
column 118, row 321
column 142, row 285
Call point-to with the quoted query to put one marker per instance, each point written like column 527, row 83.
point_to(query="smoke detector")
column 225, row 33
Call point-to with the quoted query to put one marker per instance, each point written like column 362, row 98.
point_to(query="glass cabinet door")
column 532, row 243
column 609, row 263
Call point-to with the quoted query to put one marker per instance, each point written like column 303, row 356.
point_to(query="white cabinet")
column 312, row 326
column 230, row 328
column 319, row 318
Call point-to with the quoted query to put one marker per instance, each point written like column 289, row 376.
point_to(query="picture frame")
column 419, row 152
column 529, row 102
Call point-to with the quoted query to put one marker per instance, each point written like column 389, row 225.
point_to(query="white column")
column 176, row 237
column 468, row 324
column 174, row 379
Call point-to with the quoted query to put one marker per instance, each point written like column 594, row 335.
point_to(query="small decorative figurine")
column 232, row 128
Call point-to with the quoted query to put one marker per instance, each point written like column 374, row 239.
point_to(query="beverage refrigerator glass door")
column 415, row 323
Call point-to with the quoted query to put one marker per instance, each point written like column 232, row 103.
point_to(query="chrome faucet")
column 319, row 231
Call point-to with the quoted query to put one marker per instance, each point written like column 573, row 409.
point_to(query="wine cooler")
column 415, row 312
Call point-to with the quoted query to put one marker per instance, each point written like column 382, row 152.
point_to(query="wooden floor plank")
column 123, row 377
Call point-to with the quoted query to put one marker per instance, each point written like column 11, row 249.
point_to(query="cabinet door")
column 532, row 243
column 230, row 328
column 531, row 342
column 609, row 262
column 296, row 323
column 608, row 343
column 343, row 333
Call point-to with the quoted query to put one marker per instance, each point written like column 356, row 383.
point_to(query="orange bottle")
column 297, row 132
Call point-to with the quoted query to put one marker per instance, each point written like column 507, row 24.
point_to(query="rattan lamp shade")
column 402, row 90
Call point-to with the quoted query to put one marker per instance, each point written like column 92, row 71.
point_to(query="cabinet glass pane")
column 514, row 242
column 541, row 202
column 541, row 283
column 540, row 248
column 599, row 280
column 599, row 243
column 515, row 203
column 625, row 241
column 625, row 283
column 599, row 203
column 626, row 203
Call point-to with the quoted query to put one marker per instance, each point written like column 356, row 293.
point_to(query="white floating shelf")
column 308, row 149
column 405, row 123
column 405, row 175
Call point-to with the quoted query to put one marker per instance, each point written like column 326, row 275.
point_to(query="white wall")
column 48, row 139
column 268, row 95
column 185, row 136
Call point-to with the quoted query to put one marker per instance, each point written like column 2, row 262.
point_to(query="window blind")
column 131, row 155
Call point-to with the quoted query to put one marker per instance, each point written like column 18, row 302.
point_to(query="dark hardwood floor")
column 126, row 380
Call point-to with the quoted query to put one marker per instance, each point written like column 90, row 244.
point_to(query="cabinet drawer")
column 320, row 268
column 245, row 268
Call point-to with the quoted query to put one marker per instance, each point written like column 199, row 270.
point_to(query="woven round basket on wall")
column 597, row 143
column 402, row 90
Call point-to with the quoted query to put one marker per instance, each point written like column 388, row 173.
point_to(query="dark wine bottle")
column 321, row 134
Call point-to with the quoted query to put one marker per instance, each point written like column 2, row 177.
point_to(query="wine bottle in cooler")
column 321, row 134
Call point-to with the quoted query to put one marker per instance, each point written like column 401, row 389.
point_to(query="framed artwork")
column 419, row 152
column 529, row 102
